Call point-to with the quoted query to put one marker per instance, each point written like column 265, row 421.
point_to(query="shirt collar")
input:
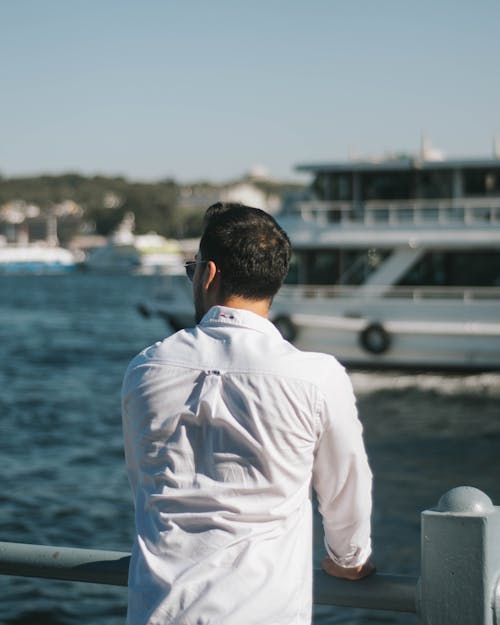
column 238, row 317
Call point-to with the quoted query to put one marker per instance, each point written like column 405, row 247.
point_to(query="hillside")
column 96, row 205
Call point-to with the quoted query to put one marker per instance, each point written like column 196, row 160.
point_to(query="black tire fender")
column 287, row 328
column 375, row 338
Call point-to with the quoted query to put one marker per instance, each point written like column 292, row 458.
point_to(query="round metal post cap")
column 465, row 499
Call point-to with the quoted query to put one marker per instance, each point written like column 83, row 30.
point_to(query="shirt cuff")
column 356, row 556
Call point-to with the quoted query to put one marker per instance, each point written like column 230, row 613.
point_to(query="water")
column 65, row 343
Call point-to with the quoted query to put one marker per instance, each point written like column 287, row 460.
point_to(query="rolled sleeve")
column 342, row 477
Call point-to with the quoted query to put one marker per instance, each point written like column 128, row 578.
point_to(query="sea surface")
column 65, row 342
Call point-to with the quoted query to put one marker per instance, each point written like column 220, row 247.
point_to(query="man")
column 226, row 427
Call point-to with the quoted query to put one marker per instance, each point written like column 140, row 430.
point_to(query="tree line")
column 103, row 201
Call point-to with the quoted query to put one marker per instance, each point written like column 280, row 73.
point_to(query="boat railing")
column 464, row 294
column 445, row 212
column 459, row 582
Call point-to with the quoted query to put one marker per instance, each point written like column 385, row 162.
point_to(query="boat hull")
column 423, row 333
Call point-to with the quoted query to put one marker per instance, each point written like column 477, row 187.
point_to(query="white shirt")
column 226, row 427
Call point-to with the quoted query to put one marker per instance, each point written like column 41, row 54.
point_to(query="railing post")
column 460, row 569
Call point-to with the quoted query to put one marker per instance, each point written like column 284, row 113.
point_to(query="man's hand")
column 354, row 573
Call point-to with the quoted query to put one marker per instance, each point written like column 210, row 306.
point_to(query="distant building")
column 253, row 190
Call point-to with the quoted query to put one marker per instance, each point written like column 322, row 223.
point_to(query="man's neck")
column 259, row 307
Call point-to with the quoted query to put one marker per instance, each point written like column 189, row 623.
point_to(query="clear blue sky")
column 197, row 89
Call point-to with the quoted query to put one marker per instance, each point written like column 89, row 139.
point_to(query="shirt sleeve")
column 130, row 419
column 342, row 477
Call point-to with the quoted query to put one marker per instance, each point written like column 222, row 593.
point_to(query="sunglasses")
column 190, row 267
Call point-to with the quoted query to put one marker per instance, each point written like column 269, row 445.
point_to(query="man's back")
column 224, row 434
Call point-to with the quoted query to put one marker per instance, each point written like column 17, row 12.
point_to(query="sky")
column 191, row 90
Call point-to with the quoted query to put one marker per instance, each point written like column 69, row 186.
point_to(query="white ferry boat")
column 395, row 263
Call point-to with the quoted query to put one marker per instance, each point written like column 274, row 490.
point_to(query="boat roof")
column 400, row 164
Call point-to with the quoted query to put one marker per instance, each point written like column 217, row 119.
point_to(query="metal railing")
column 479, row 211
column 65, row 563
column 418, row 293
column 459, row 582
column 383, row 592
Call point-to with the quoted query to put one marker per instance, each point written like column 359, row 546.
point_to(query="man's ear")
column 211, row 276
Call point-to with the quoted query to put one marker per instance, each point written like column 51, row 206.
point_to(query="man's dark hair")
column 250, row 249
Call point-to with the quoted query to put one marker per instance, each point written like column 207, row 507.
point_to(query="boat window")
column 333, row 187
column 434, row 183
column 357, row 265
column 388, row 185
column 293, row 271
column 320, row 186
column 481, row 182
column 461, row 268
column 322, row 267
column 345, row 267
column 313, row 267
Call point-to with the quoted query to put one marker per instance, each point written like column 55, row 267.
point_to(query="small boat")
column 395, row 263
column 126, row 252
column 35, row 258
